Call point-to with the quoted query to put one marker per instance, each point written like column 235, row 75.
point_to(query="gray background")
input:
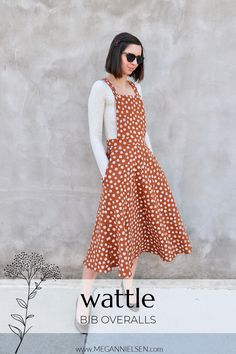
column 51, row 53
column 70, row 343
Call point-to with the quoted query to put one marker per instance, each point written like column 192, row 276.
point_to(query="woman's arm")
column 147, row 139
column 96, row 104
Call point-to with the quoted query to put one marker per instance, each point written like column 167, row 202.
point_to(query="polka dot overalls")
column 137, row 212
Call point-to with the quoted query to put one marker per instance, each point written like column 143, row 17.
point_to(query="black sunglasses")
column 130, row 57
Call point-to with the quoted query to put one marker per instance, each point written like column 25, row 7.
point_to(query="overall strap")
column 111, row 86
column 134, row 87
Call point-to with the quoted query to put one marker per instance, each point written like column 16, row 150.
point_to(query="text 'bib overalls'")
column 137, row 212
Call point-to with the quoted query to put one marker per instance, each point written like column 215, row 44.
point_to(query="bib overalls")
column 137, row 212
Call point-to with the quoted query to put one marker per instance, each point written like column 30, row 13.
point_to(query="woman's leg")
column 128, row 282
column 88, row 278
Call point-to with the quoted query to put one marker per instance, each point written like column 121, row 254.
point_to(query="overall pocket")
column 111, row 152
column 105, row 176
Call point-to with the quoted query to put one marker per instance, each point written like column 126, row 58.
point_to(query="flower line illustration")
column 28, row 266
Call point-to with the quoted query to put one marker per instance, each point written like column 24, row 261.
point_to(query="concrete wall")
column 51, row 53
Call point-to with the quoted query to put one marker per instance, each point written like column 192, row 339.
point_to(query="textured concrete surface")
column 168, row 343
column 50, row 54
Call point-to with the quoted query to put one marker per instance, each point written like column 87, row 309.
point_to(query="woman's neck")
column 121, row 82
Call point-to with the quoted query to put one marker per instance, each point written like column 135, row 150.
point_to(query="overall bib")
column 137, row 212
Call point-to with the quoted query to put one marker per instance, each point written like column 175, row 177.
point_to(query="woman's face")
column 127, row 67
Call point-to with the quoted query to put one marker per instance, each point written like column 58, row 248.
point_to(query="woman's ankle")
column 82, row 309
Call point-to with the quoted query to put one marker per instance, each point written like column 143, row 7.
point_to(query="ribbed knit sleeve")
column 96, row 104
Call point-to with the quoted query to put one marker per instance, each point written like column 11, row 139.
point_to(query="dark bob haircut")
column 113, row 60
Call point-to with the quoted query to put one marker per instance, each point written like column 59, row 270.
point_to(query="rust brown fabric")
column 137, row 212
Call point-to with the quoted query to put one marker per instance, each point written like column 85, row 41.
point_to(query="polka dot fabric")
column 137, row 212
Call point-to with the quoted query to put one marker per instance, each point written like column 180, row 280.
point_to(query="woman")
column 137, row 212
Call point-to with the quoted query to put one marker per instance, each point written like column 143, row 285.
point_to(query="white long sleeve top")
column 102, row 114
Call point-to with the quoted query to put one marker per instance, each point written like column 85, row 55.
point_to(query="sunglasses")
column 130, row 57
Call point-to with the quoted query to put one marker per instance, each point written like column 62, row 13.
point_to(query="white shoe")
column 82, row 327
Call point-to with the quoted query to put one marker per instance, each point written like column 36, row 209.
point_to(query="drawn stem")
column 26, row 313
